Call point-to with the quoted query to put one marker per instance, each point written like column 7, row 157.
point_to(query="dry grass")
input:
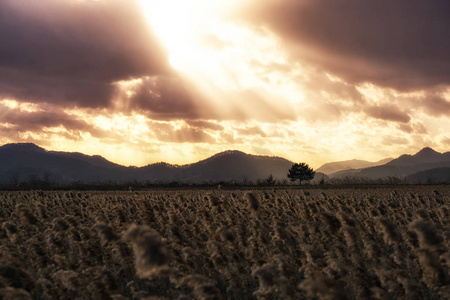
column 268, row 244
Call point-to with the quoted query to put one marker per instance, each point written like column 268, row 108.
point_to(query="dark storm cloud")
column 436, row 106
column 401, row 44
column 388, row 113
column 164, row 98
column 72, row 51
column 29, row 87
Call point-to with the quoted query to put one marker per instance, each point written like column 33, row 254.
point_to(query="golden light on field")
column 351, row 243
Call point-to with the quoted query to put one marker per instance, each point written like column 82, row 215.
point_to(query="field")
column 374, row 243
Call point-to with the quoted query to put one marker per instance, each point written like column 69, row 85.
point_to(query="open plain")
column 371, row 243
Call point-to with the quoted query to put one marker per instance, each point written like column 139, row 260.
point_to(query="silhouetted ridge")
column 223, row 155
column 231, row 165
column 95, row 160
column 403, row 167
column 346, row 165
column 23, row 147
column 30, row 161
column 24, row 161
column 426, row 155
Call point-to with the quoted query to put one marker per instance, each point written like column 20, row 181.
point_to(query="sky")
column 144, row 81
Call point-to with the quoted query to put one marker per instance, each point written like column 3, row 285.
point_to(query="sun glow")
column 179, row 24
column 224, row 60
column 203, row 43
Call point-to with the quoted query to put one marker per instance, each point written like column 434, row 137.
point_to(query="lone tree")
column 270, row 180
column 300, row 172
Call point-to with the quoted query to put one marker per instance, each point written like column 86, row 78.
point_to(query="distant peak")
column 228, row 152
column 427, row 151
column 240, row 153
column 236, row 154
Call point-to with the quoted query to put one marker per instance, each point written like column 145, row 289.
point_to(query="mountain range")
column 27, row 162
column 427, row 165
column 333, row 167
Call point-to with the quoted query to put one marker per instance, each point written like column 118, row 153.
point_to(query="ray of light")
column 219, row 57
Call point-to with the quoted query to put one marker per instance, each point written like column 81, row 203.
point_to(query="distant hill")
column 424, row 156
column 28, row 161
column 401, row 167
column 25, row 162
column 338, row 166
column 224, row 166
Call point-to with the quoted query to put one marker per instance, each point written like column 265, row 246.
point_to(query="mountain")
column 338, row 166
column 236, row 165
column 224, row 166
column 424, row 156
column 30, row 162
column 401, row 167
column 27, row 162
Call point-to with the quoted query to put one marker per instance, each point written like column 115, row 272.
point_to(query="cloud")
column 398, row 44
column 393, row 140
column 436, row 106
column 417, row 128
column 176, row 97
column 446, row 141
column 254, row 104
column 186, row 134
column 213, row 42
column 29, row 87
column 322, row 111
column 253, row 130
column 20, row 121
column 38, row 123
column 388, row 113
column 200, row 124
column 160, row 97
column 72, row 51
